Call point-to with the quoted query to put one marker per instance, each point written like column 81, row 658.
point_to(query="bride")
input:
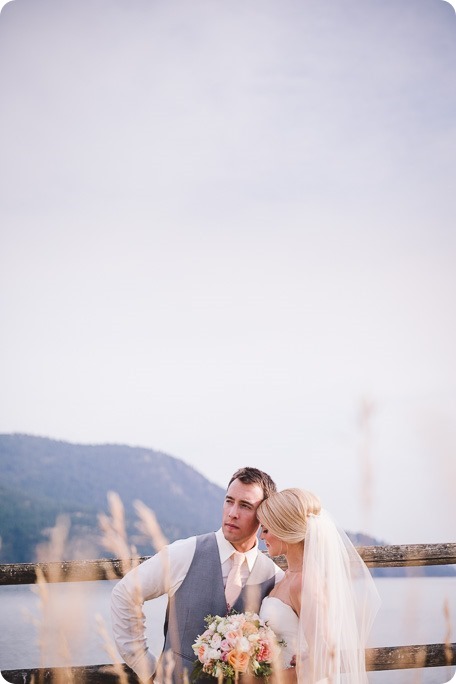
column 324, row 606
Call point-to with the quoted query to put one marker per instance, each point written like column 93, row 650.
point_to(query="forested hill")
column 42, row 478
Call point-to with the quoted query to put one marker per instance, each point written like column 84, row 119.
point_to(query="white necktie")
column 233, row 581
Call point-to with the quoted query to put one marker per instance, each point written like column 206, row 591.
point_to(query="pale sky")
column 225, row 225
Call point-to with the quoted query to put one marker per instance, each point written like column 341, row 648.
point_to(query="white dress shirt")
column 161, row 574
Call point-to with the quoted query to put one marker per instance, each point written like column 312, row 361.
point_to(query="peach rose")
column 232, row 635
column 249, row 628
column 239, row 661
column 202, row 650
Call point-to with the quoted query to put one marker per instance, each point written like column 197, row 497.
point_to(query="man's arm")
column 145, row 582
column 161, row 574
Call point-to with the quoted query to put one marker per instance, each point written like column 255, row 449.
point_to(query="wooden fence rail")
column 382, row 658
column 405, row 555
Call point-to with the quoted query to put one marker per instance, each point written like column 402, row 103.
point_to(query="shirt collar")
column 226, row 550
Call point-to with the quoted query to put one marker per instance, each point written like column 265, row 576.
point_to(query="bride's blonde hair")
column 285, row 513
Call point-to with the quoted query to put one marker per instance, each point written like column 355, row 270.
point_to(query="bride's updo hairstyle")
column 285, row 513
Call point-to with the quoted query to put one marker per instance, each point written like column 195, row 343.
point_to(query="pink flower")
column 265, row 652
column 225, row 645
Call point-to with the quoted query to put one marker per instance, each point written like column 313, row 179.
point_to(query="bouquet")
column 240, row 643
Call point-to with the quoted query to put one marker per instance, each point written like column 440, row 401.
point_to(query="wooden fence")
column 382, row 658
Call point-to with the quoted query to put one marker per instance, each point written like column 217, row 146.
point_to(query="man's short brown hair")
column 249, row 475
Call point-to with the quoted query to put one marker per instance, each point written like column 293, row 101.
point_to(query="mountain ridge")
column 45, row 478
column 75, row 480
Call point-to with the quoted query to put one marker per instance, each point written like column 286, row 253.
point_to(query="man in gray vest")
column 195, row 573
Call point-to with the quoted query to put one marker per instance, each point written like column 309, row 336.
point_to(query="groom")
column 193, row 573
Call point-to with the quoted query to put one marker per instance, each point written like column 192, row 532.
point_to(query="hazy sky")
column 225, row 226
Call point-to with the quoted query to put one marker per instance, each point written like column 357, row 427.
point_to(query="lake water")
column 69, row 624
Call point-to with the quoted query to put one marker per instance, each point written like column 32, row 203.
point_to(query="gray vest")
column 202, row 593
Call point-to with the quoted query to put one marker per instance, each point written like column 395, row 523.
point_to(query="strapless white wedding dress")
column 282, row 619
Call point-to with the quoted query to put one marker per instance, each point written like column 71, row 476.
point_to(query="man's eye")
column 265, row 531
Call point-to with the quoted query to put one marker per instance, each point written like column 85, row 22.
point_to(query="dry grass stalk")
column 115, row 540
column 58, row 624
column 169, row 668
column 116, row 668
column 114, row 535
column 165, row 669
column 148, row 525
column 55, row 548
column 447, row 639
column 420, row 660
column 366, row 412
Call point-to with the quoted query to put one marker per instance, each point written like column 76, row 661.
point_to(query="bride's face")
column 274, row 545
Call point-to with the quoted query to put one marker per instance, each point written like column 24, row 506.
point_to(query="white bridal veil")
column 339, row 602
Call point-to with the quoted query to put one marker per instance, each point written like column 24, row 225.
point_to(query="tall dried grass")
column 448, row 631
column 115, row 540
column 366, row 412
column 59, row 625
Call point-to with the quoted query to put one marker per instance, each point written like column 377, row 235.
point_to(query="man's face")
column 239, row 522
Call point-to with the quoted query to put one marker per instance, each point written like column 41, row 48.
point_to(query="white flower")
column 213, row 654
column 243, row 645
column 216, row 641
